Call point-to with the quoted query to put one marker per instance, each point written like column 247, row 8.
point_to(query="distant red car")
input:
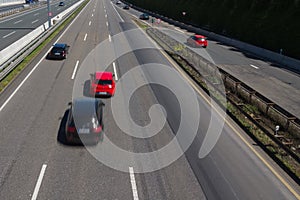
column 197, row 40
column 102, row 84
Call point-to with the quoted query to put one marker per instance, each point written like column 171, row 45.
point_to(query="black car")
column 58, row 51
column 61, row 3
column 85, row 121
column 126, row 7
column 144, row 16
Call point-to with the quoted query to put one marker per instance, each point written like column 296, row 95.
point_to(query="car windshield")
column 103, row 82
column 59, row 50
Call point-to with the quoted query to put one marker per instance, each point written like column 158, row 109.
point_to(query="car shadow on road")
column 61, row 135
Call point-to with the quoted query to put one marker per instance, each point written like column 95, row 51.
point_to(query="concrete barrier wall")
column 18, row 45
column 10, row 2
column 11, row 50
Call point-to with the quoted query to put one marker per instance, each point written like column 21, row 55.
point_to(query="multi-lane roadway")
column 36, row 164
column 13, row 28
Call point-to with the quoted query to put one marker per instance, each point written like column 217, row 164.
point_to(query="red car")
column 102, row 84
column 197, row 40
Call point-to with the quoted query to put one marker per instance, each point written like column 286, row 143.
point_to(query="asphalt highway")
column 16, row 26
column 35, row 163
column 270, row 79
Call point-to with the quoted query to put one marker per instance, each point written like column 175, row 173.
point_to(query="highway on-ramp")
column 36, row 164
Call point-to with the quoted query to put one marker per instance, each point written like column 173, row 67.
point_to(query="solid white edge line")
column 133, row 184
column 109, row 37
column 287, row 185
column 84, row 39
column 115, row 71
column 39, row 182
column 254, row 66
column 16, row 90
column 177, row 29
column 117, row 12
column 75, row 69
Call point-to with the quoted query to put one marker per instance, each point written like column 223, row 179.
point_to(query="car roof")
column 60, row 45
column 103, row 75
column 84, row 106
column 199, row 36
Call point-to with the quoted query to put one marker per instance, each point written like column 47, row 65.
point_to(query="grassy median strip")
column 28, row 59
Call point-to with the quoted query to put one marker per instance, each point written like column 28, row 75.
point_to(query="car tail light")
column 97, row 129
column 71, row 129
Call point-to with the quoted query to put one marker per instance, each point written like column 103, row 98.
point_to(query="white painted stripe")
column 105, row 10
column 85, row 37
column 106, row 23
column 39, row 182
column 35, row 21
column 109, row 38
column 94, row 10
column 28, row 75
column 133, row 184
column 75, row 69
column 117, row 12
column 115, row 71
column 105, row 15
column 5, row 36
column 92, row 15
column 36, row 14
column 18, row 22
column 90, row 23
column 254, row 66
column 177, row 29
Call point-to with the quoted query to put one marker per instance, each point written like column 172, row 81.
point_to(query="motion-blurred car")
column 61, row 3
column 85, row 121
column 102, row 84
column 58, row 51
column 144, row 16
column 126, row 7
column 197, row 40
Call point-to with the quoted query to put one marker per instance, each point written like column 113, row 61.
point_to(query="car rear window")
column 57, row 50
column 103, row 82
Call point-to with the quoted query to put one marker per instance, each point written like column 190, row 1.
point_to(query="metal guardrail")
column 285, row 61
column 20, row 9
column 15, row 60
column 206, row 68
